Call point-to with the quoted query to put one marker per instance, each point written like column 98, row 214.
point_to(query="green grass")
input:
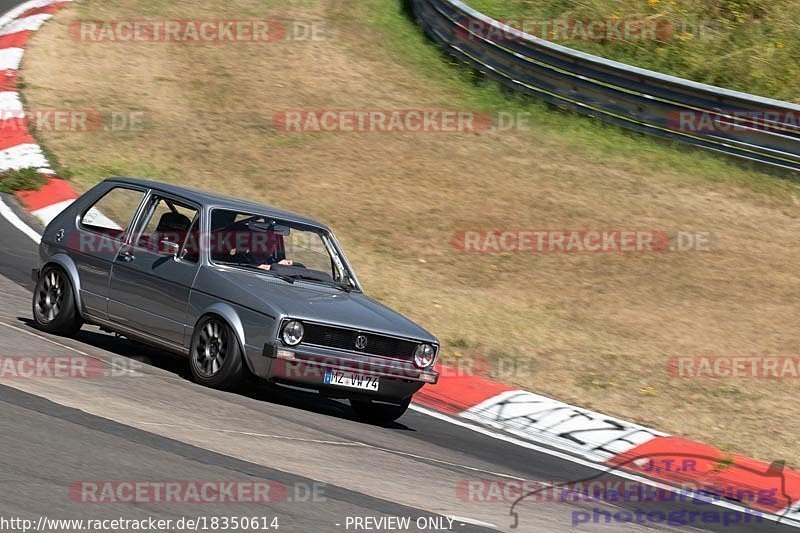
column 747, row 45
column 599, row 141
column 21, row 180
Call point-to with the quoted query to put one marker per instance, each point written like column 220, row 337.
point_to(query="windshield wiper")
column 284, row 277
column 307, row 277
column 341, row 286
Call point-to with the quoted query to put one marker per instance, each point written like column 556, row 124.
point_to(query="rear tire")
column 379, row 412
column 215, row 356
column 54, row 309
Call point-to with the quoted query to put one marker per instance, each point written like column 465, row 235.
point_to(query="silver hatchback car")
column 237, row 287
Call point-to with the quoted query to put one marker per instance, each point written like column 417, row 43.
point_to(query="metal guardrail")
column 739, row 124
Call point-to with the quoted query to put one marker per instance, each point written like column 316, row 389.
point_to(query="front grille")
column 345, row 339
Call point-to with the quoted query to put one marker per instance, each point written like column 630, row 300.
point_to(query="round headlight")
column 292, row 333
column 424, row 355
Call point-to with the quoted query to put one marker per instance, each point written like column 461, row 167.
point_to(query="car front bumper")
column 306, row 367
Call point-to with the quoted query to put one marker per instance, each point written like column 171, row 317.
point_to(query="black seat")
column 172, row 227
column 173, row 222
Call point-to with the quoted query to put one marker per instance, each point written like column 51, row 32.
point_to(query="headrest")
column 173, row 222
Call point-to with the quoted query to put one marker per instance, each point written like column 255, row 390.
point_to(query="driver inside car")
column 266, row 253
column 261, row 260
column 264, row 250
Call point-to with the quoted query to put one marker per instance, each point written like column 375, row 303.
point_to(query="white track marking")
column 51, row 341
column 26, row 155
column 10, row 103
column 10, row 58
column 17, row 222
column 544, row 420
column 470, row 521
column 32, row 23
column 11, row 15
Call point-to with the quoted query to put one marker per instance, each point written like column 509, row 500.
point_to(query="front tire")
column 380, row 413
column 54, row 309
column 215, row 357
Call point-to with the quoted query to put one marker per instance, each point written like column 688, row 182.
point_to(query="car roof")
column 223, row 201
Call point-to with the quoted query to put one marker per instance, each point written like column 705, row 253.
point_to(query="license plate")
column 351, row 380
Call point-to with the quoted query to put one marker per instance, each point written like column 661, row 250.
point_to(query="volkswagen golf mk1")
column 239, row 288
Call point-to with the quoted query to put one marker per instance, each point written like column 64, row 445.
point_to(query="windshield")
column 286, row 249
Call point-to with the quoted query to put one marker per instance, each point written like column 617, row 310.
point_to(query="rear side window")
column 113, row 213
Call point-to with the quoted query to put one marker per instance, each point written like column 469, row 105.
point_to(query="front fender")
column 257, row 364
column 231, row 317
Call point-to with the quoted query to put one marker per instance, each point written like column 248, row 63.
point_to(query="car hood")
column 311, row 302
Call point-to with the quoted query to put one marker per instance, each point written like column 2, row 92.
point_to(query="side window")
column 165, row 221
column 113, row 213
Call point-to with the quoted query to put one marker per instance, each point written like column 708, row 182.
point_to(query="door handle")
column 126, row 257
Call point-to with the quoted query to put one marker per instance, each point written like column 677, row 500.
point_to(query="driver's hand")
column 287, row 262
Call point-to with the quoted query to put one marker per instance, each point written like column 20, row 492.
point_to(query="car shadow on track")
column 254, row 389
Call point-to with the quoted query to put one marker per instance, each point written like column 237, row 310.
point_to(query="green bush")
column 21, row 180
column 746, row 45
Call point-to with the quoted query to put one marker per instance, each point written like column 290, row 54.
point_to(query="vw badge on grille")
column 361, row 342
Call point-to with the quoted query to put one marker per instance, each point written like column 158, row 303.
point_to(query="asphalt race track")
column 6, row 5
column 17, row 251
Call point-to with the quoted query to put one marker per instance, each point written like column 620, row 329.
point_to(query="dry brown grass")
column 599, row 328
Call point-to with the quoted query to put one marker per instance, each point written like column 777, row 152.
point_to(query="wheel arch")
column 227, row 314
column 65, row 263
